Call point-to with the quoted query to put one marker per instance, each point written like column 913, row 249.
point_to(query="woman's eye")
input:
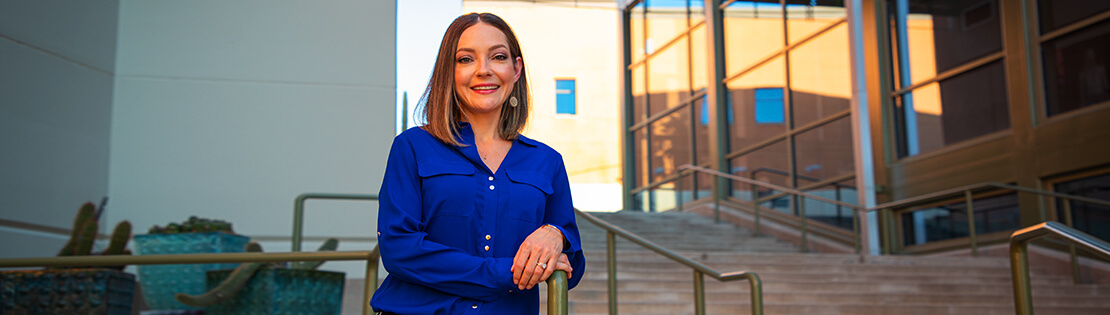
column 500, row 57
column 465, row 60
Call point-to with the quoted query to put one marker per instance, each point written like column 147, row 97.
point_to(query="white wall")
column 57, row 63
column 229, row 110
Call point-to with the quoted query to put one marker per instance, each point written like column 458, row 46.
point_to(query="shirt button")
column 487, row 237
column 487, row 248
column 491, row 178
column 490, row 187
column 475, row 306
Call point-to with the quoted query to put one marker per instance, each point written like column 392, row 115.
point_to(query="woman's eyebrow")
column 490, row 48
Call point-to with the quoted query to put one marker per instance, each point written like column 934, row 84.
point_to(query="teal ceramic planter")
column 160, row 282
column 66, row 291
column 276, row 291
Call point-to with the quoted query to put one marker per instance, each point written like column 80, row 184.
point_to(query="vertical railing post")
column 971, row 224
column 801, row 204
column 1071, row 246
column 717, row 200
column 887, row 242
column 557, row 293
column 699, row 293
column 755, row 204
column 371, row 284
column 611, row 255
column 1019, row 268
column 756, row 293
column 856, row 213
column 678, row 192
column 298, row 221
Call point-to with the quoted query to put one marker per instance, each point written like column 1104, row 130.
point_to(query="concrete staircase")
column 797, row 283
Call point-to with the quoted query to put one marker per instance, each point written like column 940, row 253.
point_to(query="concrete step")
column 737, row 307
column 803, row 283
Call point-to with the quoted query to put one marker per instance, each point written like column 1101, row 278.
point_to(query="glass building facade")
column 942, row 94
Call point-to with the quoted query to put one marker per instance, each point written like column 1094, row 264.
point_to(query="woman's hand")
column 538, row 257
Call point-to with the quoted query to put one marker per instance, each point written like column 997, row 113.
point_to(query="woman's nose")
column 483, row 69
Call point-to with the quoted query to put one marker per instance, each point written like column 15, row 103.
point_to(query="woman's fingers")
column 564, row 264
column 541, row 247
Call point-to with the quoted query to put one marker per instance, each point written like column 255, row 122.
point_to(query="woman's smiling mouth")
column 485, row 88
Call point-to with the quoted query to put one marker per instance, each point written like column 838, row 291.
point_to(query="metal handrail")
column 1019, row 260
column 700, row 270
column 755, row 205
column 298, row 211
column 371, row 258
column 966, row 191
column 557, row 286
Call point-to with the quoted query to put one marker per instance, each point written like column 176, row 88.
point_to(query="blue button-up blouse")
column 449, row 228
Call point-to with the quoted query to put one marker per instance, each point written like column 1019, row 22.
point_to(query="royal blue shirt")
column 449, row 228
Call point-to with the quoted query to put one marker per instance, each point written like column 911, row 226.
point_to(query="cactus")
column 227, row 289
column 85, row 228
column 85, row 238
column 193, row 224
column 84, row 214
column 242, row 274
column 118, row 242
column 329, row 245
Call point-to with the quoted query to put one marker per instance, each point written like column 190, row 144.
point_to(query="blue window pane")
column 769, row 106
column 565, row 97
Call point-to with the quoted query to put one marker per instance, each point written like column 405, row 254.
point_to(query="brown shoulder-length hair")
column 442, row 110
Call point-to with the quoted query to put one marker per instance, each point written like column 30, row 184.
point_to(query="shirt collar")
column 466, row 136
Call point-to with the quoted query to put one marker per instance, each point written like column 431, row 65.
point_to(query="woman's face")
column 484, row 70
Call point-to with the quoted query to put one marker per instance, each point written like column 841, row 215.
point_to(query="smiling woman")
column 473, row 215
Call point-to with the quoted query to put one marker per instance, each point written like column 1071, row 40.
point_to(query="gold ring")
column 542, row 265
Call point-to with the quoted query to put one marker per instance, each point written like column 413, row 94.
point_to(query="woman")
column 472, row 214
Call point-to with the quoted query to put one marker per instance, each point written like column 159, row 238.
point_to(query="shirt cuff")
column 504, row 266
column 566, row 242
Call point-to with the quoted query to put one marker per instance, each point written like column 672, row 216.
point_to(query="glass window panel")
column 565, row 97
column 639, row 97
column 825, row 152
column 642, row 167
column 1091, row 218
column 662, row 198
column 1055, row 14
column 966, row 106
column 804, row 18
column 701, row 131
column 992, row 214
column 705, row 185
column 932, row 36
column 640, row 201
column 1076, row 73
column 668, row 78
column 636, row 29
column 743, row 129
column 770, row 106
column 769, row 164
column 671, row 144
column 698, row 63
column 828, row 213
column 666, row 19
column 687, row 191
column 820, row 76
column 752, row 32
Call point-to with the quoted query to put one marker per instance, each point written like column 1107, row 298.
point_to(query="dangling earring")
column 512, row 101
